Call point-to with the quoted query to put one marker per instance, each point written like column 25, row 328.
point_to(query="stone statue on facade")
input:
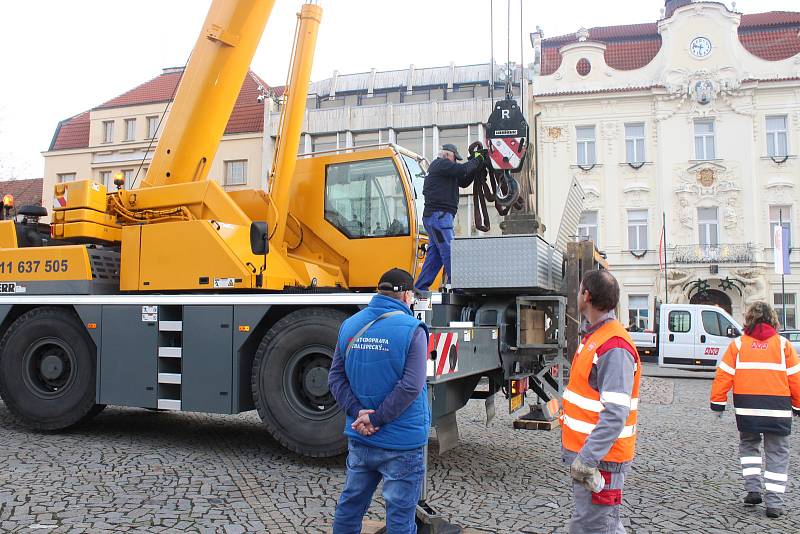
column 685, row 214
column 676, row 279
column 755, row 284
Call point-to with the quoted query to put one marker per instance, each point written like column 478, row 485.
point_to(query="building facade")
column 692, row 121
column 121, row 135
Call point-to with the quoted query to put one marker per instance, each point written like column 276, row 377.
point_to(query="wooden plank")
column 531, row 424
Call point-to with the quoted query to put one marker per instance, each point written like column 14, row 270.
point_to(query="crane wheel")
column 48, row 370
column 290, row 383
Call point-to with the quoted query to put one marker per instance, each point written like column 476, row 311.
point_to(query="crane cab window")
column 366, row 199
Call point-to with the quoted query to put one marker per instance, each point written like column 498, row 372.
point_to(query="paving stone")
column 133, row 470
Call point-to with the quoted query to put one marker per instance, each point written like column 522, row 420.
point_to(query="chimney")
column 671, row 5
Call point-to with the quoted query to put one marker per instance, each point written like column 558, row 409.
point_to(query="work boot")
column 753, row 498
column 774, row 512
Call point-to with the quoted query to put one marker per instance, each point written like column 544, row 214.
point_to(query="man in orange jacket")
column 764, row 371
column 600, row 405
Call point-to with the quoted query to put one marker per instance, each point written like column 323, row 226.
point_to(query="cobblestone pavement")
column 139, row 471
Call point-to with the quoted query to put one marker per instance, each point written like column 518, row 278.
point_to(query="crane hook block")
column 507, row 136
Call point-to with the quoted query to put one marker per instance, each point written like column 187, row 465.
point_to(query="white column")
column 436, row 144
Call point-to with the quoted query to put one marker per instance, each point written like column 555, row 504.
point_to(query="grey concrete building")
column 417, row 108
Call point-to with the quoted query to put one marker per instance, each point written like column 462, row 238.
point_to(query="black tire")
column 48, row 370
column 289, row 372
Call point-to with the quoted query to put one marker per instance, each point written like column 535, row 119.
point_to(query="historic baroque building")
column 694, row 118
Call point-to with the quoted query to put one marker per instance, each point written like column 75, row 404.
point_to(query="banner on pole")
column 781, row 250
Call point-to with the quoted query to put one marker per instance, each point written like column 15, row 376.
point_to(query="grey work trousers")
column 776, row 469
column 591, row 518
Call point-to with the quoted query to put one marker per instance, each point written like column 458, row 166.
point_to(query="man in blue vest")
column 378, row 378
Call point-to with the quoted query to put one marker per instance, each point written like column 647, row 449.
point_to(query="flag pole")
column 664, row 235
column 783, row 268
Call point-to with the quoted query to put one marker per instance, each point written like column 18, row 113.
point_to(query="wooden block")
column 530, row 424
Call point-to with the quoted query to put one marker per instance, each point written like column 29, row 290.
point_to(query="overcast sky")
column 59, row 58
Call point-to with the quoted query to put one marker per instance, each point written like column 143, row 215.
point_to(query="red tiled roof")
column 772, row 44
column 772, row 36
column 247, row 115
column 26, row 192
column 72, row 133
column 159, row 89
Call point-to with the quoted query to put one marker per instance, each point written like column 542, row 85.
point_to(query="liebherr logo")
column 8, row 287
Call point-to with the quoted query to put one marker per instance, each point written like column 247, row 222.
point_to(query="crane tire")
column 48, row 370
column 289, row 383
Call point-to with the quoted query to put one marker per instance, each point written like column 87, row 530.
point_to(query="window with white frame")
column 130, row 129
column 587, row 227
column 108, row 131
column 777, row 136
column 638, row 313
column 587, row 153
column 106, row 180
column 791, row 309
column 127, row 174
column 152, row 127
column 634, row 143
column 704, row 143
column 637, row 230
column 236, row 172
column 708, row 225
column 65, row 177
column 780, row 215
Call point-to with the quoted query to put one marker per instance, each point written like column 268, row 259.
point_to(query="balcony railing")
column 722, row 253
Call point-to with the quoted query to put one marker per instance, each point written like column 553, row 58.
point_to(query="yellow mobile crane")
column 178, row 295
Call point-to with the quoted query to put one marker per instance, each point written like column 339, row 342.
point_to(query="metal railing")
column 721, row 253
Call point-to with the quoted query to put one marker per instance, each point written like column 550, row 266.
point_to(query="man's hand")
column 363, row 425
column 588, row 477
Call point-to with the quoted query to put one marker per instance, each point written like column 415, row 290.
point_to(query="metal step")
column 169, row 404
column 169, row 378
column 170, row 352
column 170, row 326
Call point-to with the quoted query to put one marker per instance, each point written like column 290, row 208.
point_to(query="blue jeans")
column 402, row 473
column 440, row 233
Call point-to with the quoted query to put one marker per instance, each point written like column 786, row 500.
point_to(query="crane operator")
column 445, row 176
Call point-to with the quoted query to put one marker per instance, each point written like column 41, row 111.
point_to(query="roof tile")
column 26, row 192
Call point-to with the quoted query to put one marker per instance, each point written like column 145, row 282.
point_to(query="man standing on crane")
column 444, row 178
column 378, row 378
column 600, row 409
column 764, row 371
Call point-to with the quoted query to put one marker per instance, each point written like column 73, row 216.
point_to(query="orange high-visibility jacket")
column 765, row 377
column 583, row 404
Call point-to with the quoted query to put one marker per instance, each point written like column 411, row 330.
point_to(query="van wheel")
column 290, row 383
column 48, row 369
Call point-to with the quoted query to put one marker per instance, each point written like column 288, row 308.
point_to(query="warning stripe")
column 506, row 148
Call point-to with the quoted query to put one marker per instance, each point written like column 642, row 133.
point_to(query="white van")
column 689, row 336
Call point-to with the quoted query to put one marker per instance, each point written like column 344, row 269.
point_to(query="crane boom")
column 208, row 91
column 293, row 115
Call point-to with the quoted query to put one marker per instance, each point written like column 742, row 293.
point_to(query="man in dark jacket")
column 378, row 378
column 444, row 178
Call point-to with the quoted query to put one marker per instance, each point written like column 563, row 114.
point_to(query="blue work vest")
column 375, row 365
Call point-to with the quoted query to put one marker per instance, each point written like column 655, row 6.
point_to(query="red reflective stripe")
column 445, row 351
column 432, row 342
